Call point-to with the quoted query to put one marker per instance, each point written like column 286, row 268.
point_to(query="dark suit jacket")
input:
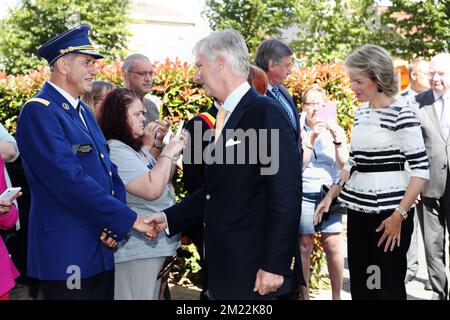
column 251, row 220
column 288, row 97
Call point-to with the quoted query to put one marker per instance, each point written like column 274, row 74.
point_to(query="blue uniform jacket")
column 75, row 189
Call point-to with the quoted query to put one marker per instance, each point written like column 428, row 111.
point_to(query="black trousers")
column 375, row 274
column 98, row 287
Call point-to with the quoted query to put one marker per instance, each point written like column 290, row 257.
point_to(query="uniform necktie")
column 78, row 108
column 287, row 108
column 220, row 119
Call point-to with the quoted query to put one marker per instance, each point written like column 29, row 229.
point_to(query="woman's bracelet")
column 174, row 159
column 402, row 212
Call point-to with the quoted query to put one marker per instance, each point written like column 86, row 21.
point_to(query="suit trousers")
column 375, row 274
column 436, row 218
column 412, row 255
column 98, row 287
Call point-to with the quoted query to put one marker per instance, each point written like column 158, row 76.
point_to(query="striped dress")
column 388, row 135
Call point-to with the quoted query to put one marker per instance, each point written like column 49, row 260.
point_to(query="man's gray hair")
column 229, row 44
column 129, row 61
column 272, row 49
column 414, row 65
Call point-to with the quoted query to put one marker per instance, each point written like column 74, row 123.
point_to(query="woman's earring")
column 380, row 89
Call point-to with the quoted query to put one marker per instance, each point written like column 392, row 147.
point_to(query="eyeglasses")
column 312, row 104
column 143, row 73
column 440, row 73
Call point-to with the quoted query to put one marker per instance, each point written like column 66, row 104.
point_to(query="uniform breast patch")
column 82, row 148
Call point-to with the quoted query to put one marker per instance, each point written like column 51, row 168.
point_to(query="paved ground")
column 415, row 288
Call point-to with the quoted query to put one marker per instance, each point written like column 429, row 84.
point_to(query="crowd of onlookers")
column 390, row 177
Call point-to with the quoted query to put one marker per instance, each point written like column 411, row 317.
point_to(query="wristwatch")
column 339, row 181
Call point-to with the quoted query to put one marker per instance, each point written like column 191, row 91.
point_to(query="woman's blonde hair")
column 375, row 62
column 99, row 90
column 313, row 89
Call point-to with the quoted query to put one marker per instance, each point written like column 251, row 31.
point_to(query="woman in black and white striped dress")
column 374, row 184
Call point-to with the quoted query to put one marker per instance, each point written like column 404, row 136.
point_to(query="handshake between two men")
column 149, row 226
column 265, row 282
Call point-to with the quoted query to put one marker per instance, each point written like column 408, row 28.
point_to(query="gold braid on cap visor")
column 77, row 48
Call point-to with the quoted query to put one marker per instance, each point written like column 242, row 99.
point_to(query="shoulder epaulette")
column 39, row 100
column 208, row 118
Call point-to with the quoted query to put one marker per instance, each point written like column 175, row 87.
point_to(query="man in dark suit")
column 433, row 110
column 275, row 58
column 78, row 209
column 249, row 206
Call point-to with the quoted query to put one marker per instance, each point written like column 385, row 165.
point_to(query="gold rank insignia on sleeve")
column 39, row 100
column 292, row 263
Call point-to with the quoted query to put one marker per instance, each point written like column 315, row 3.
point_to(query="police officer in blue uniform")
column 78, row 209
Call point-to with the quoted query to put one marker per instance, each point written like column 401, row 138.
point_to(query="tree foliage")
column 332, row 29
column 33, row 22
column 422, row 27
column 327, row 31
column 255, row 19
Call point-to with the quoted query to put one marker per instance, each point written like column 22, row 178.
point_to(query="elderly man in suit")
column 78, row 210
column 250, row 215
column 433, row 110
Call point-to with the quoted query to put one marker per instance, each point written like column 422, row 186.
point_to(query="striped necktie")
column 287, row 108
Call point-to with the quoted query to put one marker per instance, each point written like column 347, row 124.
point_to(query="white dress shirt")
column 73, row 101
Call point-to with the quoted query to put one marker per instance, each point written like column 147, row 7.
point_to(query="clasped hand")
column 141, row 225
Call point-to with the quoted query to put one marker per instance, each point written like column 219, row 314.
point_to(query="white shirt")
column 444, row 119
column 73, row 101
column 234, row 98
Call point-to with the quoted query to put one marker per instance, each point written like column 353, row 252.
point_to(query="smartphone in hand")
column 180, row 128
column 9, row 193
column 328, row 111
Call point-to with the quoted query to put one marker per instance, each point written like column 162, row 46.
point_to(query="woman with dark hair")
column 147, row 183
column 374, row 184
